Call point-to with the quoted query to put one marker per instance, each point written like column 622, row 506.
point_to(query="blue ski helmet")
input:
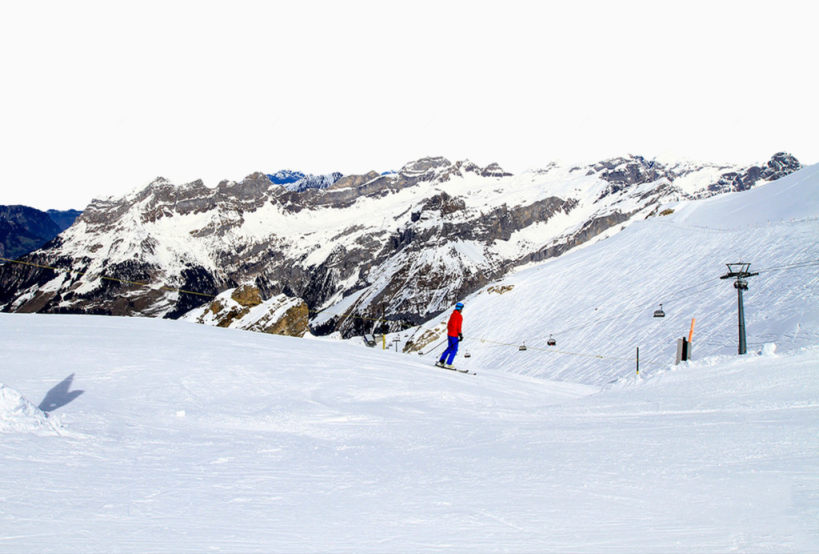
column 459, row 306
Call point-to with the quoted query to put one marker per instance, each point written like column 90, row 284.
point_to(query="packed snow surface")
column 189, row 438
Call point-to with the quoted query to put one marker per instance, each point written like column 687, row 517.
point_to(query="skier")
column 454, row 336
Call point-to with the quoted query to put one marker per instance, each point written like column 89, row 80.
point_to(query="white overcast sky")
column 98, row 98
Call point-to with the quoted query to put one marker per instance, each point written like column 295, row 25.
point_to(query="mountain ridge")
column 398, row 246
column 24, row 229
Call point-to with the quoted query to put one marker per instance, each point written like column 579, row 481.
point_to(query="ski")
column 450, row 368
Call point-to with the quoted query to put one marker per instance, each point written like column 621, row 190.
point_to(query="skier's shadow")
column 59, row 396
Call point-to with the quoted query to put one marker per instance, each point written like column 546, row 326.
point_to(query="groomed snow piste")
column 190, row 438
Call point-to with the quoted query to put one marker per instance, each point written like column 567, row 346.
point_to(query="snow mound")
column 18, row 415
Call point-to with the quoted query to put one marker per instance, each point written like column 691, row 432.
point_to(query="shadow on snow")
column 59, row 396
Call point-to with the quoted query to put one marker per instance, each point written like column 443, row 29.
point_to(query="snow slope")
column 597, row 301
column 190, row 438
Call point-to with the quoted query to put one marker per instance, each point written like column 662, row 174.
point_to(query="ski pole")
column 431, row 348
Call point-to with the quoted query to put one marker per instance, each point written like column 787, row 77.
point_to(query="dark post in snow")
column 740, row 271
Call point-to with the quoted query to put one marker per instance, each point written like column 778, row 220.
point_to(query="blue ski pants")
column 450, row 351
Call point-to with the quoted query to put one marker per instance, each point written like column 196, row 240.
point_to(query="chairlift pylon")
column 660, row 312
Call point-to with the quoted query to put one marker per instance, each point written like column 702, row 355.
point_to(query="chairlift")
column 467, row 355
column 660, row 312
column 551, row 341
column 522, row 347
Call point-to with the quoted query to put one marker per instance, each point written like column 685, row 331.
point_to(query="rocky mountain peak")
column 441, row 169
column 425, row 168
column 256, row 176
column 158, row 182
column 351, row 181
column 296, row 181
column 780, row 164
column 285, row 176
column 494, row 170
column 626, row 171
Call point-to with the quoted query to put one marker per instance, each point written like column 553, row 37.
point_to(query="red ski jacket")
column 453, row 328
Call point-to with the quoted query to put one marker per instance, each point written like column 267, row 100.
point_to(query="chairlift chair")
column 660, row 312
column 522, row 347
column 467, row 355
column 551, row 341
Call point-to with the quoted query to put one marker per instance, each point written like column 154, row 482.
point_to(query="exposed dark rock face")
column 780, row 165
column 24, row 229
column 64, row 218
column 623, row 173
column 355, row 180
column 494, row 170
column 244, row 308
column 589, row 230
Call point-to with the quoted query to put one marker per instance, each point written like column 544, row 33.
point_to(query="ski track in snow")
column 192, row 438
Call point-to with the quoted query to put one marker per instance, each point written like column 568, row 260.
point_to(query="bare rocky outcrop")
column 352, row 181
column 293, row 323
column 780, row 165
column 247, row 296
column 244, row 308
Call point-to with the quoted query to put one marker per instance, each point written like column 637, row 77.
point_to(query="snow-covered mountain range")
column 401, row 246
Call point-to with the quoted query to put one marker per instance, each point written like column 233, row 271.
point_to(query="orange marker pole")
column 690, row 337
